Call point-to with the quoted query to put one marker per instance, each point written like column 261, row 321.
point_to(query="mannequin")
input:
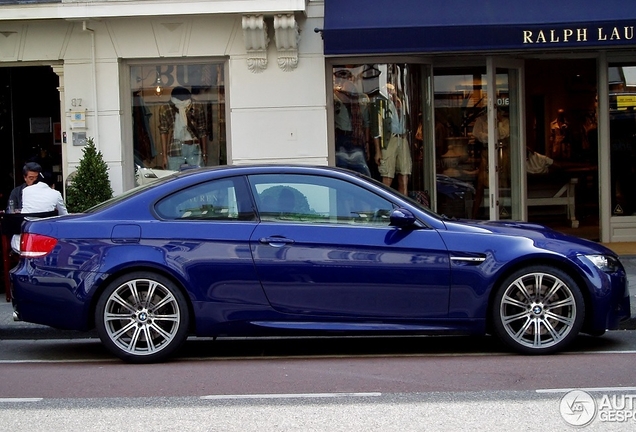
column 183, row 131
column 560, row 143
column 392, row 149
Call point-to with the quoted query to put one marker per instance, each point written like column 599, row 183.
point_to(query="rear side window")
column 224, row 199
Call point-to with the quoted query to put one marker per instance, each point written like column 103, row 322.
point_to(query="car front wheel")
column 538, row 310
column 142, row 317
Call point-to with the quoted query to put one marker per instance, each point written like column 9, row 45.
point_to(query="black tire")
column 142, row 317
column 538, row 310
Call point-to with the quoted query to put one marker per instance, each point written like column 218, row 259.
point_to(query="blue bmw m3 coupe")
column 300, row 250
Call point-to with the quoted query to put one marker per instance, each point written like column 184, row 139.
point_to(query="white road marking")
column 289, row 396
column 13, row 400
column 589, row 389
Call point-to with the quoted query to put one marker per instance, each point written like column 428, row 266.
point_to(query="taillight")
column 36, row 245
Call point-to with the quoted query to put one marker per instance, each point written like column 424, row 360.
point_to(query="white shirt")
column 39, row 198
column 536, row 163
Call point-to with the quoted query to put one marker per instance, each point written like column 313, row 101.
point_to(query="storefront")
column 517, row 112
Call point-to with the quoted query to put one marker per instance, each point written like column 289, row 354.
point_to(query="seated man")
column 31, row 172
column 39, row 198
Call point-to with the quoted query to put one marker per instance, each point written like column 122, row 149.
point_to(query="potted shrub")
column 90, row 183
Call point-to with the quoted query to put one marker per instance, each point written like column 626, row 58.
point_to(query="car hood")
column 570, row 245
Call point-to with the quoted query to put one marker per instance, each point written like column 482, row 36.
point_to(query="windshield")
column 411, row 201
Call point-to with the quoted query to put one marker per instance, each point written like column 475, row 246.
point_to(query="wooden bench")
column 545, row 190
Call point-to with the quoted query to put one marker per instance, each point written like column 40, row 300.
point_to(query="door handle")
column 276, row 241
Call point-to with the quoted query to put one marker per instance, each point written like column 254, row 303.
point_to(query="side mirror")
column 402, row 218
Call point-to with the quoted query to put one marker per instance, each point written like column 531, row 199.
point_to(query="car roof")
column 270, row 167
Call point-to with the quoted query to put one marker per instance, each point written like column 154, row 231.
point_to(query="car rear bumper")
column 51, row 301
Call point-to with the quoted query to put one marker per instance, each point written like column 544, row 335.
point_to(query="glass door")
column 460, row 98
column 505, row 140
column 478, row 140
column 562, row 137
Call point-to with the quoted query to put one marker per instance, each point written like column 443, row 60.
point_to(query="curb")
column 629, row 324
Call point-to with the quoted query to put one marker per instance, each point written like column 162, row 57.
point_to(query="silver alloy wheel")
column 538, row 310
column 141, row 317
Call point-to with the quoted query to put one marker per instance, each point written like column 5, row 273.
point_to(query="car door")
column 205, row 230
column 324, row 247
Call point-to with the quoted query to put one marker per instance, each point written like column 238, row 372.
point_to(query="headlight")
column 605, row 263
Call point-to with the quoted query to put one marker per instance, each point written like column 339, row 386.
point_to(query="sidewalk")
column 10, row 329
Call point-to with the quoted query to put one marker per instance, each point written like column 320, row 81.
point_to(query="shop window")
column 378, row 124
column 178, row 114
column 622, row 86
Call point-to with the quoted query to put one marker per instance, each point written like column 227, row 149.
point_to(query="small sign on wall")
column 78, row 119
column 40, row 125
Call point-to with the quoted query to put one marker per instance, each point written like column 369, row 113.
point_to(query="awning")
column 426, row 26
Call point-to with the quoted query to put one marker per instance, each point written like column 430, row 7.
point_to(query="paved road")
column 345, row 384
column 62, row 369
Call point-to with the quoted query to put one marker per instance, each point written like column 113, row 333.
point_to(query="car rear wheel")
column 538, row 310
column 142, row 317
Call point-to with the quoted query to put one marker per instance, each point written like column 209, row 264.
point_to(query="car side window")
column 316, row 199
column 225, row 199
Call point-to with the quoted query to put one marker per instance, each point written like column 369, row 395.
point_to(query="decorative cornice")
column 256, row 41
column 92, row 9
column 287, row 37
